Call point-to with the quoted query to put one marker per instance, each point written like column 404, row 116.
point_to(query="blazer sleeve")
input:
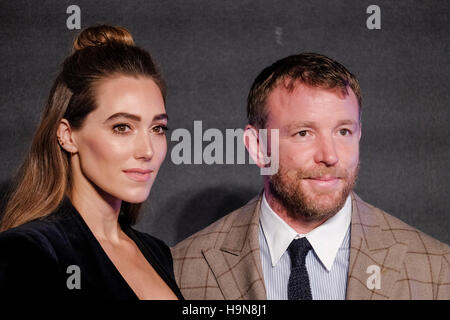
column 443, row 286
column 28, row 269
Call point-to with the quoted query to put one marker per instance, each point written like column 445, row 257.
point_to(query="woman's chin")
column 135, row 197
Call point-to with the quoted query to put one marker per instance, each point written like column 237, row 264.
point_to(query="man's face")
column 319, row 131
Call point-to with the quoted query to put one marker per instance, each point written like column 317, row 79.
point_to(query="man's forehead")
column 289, row 87
column 306, row 105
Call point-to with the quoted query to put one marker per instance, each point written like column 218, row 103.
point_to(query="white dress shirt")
column 327, row 263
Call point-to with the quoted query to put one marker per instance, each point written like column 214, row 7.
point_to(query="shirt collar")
column 326, row 239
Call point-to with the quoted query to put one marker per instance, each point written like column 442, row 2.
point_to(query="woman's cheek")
column 160, row 149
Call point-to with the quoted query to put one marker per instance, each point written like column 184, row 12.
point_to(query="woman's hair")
column 44, row 178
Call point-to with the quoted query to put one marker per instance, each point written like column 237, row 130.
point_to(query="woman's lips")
column 138, row 175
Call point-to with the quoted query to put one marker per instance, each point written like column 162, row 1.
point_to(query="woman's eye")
column 121, row 128
column 160, row 129
column 344, row 132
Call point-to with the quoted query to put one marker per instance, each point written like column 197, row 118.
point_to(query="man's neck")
column 301, row 226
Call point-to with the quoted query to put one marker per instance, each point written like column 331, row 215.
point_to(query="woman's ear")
column 65, row 136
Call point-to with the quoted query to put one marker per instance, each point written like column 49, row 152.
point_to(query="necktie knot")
column 298, row 249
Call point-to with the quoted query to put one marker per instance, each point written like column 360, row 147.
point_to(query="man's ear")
column 65, row 136
column 253, row 145
column 360, row 131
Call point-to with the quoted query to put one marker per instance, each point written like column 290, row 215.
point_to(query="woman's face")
column 122, row 143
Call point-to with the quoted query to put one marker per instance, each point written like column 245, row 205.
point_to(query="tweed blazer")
column 223, row 260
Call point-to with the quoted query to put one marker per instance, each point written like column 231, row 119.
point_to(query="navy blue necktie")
column 298, row 285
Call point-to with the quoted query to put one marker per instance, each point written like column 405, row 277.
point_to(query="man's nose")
column 143, row 147
column 326, row 152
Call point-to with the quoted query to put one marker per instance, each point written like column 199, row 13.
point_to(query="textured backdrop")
column 210, row 52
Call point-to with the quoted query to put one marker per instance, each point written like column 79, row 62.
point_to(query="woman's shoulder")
column 37, row 234
column 28, row 261
column 33, row 235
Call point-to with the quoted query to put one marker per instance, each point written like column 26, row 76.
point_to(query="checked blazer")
column 223, row 260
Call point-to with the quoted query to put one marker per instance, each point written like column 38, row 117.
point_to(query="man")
column 308, row 235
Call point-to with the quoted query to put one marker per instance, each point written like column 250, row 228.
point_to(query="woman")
column 66, row 230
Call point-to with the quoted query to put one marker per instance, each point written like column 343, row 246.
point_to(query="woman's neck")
column 98, row 209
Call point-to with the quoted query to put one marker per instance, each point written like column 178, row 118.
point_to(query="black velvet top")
column 36, row 260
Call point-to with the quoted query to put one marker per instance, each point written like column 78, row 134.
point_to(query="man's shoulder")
column 401, row 232
column 213, row 235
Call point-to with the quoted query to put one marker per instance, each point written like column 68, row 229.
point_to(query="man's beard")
column 311, row 205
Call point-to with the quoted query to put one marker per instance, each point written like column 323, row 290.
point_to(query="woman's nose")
column 143, row 147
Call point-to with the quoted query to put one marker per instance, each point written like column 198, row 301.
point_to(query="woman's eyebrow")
column 123, row 115
column 162, row 116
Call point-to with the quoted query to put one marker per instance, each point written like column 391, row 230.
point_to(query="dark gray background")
column 210, row 52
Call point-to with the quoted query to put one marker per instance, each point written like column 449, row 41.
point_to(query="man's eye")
column 344, row 132
column 303, row 133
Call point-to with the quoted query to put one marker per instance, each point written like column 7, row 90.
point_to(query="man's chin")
column 322, row 205
column 324, row 197
column 311, row 200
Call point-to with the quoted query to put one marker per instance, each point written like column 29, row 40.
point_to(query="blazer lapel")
column 236, row 264
column 375, row 256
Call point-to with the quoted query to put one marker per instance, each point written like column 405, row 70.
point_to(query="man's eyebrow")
column 302, row 124
column 347, row 122
column 312, row 124
column 162, row 116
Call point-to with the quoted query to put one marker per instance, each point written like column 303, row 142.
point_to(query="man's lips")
column 324, row 178
column 137, row 174
column 324, row 182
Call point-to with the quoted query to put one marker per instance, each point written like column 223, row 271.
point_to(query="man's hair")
column 311, row 69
